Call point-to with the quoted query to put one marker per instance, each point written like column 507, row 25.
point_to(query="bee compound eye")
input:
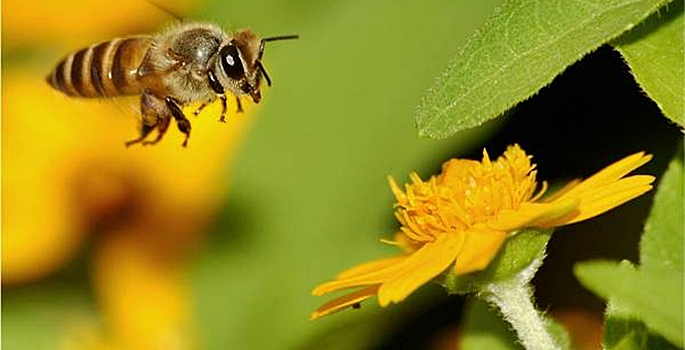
column 230, row 62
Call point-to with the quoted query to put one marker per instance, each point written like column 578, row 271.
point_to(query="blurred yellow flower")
column 38, row 23
column 67, row 174
column 69, row 180
column 462, row 217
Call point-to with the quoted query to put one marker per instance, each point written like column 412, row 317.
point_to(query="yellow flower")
column 69, row 181
column 461, row 218
column 36, row 24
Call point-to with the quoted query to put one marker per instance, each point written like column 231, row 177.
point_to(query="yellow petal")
column 609, row 174
column 562, row 191
column 345, row 301
column 534, row 214
column 422, row 266
column 399, row 194
column 611, row 196
column 354, row 278
column 370, row 267
column 143, row 296
column 480, row 247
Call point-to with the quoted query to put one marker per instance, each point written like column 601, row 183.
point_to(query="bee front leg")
column 219, row 90
column 223, row 108
column 202, row 106
column 240, row 105
column 181, row 121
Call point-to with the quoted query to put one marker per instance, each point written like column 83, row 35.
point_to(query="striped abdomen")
column 102, row 70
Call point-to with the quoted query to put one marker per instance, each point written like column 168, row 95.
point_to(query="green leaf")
column 654, row 51
column 518, row 52
column 631, row 341
column 485, row 329
column 623, row 331
column 517, row 254
column 655, row 296
column 661, row 246
column 559, row 333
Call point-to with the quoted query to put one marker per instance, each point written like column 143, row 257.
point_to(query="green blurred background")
column 307, row 193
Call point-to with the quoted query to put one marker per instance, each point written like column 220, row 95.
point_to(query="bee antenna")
column 282, row 37
column 266, row 76
column 261, row 51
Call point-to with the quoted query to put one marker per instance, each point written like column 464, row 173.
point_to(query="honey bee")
column 191, row 62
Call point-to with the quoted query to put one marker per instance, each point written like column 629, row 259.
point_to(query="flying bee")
column 191, row 62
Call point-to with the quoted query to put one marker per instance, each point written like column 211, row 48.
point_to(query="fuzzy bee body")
column 107, row 69
column 192, row 62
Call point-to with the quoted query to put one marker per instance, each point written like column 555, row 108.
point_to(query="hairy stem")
column 514, row 299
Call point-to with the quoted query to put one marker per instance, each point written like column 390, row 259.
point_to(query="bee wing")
column 129, row 106
column 158, row 63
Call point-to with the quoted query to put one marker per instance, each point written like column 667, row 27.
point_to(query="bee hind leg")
column 154, row 115
column 181, row 121
column 144, row 131
column 161, row 126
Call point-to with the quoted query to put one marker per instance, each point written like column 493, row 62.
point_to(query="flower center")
column 464, row 194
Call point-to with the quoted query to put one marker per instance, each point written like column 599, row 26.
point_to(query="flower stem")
column 515, row 300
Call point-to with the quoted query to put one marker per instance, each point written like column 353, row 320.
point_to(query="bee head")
column 240, row 65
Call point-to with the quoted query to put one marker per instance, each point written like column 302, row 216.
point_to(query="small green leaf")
column 654, row 295
column 517, row 253
column 559, row 333
column 624, row 331
column 485, row 329
column 518, row 52
column 654, row 51
column 631, row 341
column 661, row 246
